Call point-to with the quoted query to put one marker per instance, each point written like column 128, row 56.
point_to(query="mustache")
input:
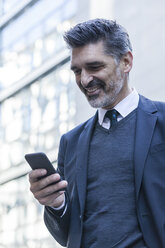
column 95, row 82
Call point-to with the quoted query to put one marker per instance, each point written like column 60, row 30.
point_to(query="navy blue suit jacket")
column 149, row 168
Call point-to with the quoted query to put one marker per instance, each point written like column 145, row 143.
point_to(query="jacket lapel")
column 82, row 160
column 146, row 120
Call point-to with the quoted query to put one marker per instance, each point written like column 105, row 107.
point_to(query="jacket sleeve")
column 57, row 221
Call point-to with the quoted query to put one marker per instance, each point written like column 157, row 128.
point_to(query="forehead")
column 88, row 53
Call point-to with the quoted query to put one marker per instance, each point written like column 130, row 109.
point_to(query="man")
column 113, row 165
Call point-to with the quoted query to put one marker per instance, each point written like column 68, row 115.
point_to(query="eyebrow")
column 93, row 63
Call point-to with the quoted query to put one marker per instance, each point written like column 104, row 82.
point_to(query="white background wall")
column 145, row 22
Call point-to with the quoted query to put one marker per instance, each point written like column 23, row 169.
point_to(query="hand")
column 46, row 194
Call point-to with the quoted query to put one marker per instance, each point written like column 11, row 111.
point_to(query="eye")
column 96, row 67
column 77, row 72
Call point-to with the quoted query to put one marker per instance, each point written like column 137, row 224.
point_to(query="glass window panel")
column 7, row 5
column 18, row 207
column 36, row 113
column 51, row 101
column 35, row 117
column 31, row 39
column 31, row 20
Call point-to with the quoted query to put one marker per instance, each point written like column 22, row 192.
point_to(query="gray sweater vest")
column 110, row 214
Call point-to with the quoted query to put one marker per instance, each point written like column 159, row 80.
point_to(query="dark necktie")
column 112, row 115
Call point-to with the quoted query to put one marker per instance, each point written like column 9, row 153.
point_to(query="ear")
column 127, row 62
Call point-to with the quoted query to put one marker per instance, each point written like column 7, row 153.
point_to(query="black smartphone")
column 39, row 160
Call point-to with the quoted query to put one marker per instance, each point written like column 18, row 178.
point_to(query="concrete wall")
column 145, row 21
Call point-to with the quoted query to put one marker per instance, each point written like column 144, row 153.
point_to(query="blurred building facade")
column 38, row 97
column 37, row 106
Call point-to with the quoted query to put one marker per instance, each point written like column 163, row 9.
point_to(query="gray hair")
column 115, row 37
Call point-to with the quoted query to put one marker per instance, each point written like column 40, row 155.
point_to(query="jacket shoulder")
column 152, row 105
column 76, row 131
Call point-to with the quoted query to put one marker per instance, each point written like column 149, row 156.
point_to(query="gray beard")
column 109, row 96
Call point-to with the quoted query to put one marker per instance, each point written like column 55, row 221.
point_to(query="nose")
column 85, row 78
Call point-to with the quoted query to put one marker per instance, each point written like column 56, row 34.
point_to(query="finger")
column 49, row 190
column 38, row 186
column 54, row 200
column 34, row 175
column 54, row 178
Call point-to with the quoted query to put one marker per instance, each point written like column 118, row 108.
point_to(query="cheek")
column 106, row 75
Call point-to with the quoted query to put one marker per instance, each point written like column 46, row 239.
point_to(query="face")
column 99, row 76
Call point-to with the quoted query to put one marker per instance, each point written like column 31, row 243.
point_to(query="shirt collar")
column 126, row 106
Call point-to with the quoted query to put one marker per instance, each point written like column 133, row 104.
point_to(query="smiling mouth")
column 93, row 90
